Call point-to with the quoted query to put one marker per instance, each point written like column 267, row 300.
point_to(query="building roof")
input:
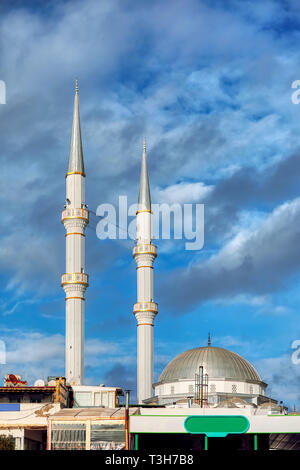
column 234, row 402
column 93, row 412
column 270, row 405
column 216, row 362
column 27, row 389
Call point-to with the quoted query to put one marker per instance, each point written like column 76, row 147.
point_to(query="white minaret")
column 145, row 310
column 75, row 217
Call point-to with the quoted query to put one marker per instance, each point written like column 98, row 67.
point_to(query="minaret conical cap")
column 76, row 156
column 144, row 194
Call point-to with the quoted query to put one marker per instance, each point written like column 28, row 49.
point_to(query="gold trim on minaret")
column 75, row 173
column 69, row 298
column 75, row 233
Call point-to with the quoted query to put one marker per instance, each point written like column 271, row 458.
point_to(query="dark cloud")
column 259, row 262
column 248, row 189
column 117, row 324
column 209, row 87
column 283, row 378
column 122, row 376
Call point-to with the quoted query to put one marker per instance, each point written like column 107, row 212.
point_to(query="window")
column 15, row 398
column 104, row 399
column 212, row 388
column 83, row 399
column 97, row 398
column 111, row 399
column 107, row 437
column 68, row 436
column 234, row 388
column 37, row 399
column 251, row 389
column 191, row 388
column 172, row 389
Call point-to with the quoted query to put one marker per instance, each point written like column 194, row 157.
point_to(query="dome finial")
column 76, row 86
column 208, row 340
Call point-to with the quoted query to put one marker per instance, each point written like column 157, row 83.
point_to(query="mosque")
column 210, row 376
column 225, row 375
column 202, row 395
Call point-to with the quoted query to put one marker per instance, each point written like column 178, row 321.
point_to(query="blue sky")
column 209, row 84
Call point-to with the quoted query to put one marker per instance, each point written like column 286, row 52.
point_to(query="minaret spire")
column 145, row 309
column 144, row 194
column 75, row 218
column 208, row 340
column 76, row 164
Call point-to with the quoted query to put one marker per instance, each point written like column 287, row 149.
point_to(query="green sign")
column 216, row 425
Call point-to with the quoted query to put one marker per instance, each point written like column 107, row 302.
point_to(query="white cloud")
column 283, row 378
column 95, row 347
column 34, row 354
column 254, row 262
column 205, row 115
column 267, row 245
column 182, row 193
column 256, row 301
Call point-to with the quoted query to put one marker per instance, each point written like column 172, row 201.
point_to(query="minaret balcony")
column 68, row 214
column 145, row 249
column 145, row 307
column 75, row 278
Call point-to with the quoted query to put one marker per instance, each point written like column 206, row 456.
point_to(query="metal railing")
column 75, row 214
column 75, row 278
column 145, row 307
column 145, row 249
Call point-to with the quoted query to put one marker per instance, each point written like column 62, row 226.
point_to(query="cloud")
column 283, row 378
column 256, row 262
column 32, row 354
column 234, row 199
column 182, row 193
column 199, row 118
column 122, row 376
column 13, row 309
column 95, row 347
column 220, row 128
column 263, row 304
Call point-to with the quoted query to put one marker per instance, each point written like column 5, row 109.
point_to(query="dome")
column 217, row 363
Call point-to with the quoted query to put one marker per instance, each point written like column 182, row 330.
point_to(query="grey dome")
column 217, row 363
